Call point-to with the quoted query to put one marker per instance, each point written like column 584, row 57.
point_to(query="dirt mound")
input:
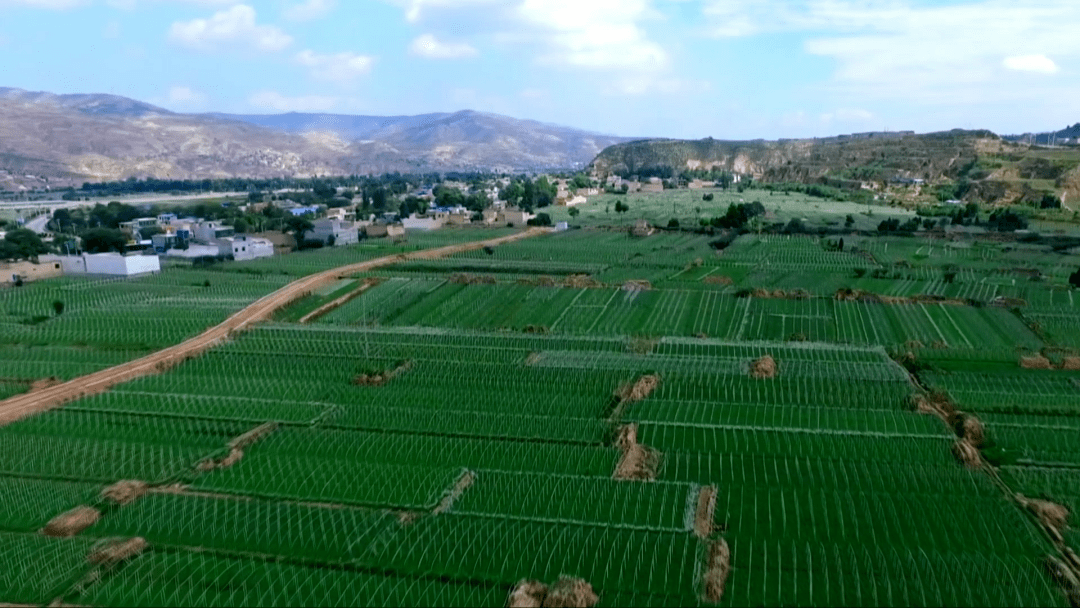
column 464, row 278
column 639, row 390
column 914, row 345
column 717, row 570
column 253, row 435
column 940, row 405
column 972, row 431
column 641, row 346
column 939, row 345
column 533, row 359
column 1003, row 302
column 798, row 337
column 71, row 522
column 567, row 592
column 763, row 368
column 234, row 456
column 582, row 281
column 1070, row 363
column 540, row 281
column 125, row 492
column 44, row 383
column 638, row 462
column 381, row 378
column 1035, row 362
column 1050, row 514
column 637, row 285
column 459, row 488
column 116, row 551
column 718, row 280
column 703, row 515
column 967, row 454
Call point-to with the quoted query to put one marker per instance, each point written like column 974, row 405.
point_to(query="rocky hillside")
column 60, row 140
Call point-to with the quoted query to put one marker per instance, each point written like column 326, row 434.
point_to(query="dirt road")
column 26, row 404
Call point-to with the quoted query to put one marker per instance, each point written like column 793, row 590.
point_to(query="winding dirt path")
column 26, row 404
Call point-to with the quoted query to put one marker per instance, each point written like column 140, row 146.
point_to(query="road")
column 35, row 401
column 52, row 205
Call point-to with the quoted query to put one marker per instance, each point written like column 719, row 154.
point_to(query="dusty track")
column 26, row 404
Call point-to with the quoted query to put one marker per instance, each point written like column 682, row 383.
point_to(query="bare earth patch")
column 763, row 368
column 638, row 462
column 71, row 522
column 706, row 507
column 717, row 570
column 967, row 454
column 466, row 480
column 125, row 492
column 567, row 592
column 1036, row 362
column 381, row 378
column 116, row 551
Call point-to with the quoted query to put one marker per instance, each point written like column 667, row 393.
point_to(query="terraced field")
column 662, row 422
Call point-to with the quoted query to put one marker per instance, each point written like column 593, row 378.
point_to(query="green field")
column 492, row 447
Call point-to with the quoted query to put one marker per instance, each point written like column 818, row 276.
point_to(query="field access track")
column 21, row 406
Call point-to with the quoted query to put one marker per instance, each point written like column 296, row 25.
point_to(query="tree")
column 707, row 197
column 104, row 240
column 574, row 212
column 1074, row 279
column 1007, row 220
column 621, row 207
column 298, row 225
column 673, row 223
column 849, row 221
column 541, row 219
column 58, row 306
column 21, row 243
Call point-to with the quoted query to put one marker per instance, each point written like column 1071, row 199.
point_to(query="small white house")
column 242, row 247
column 342, row 232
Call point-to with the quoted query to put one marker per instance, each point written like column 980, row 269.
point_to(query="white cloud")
column 416, row 9
column 276, row 102
column 1031, row 63
column 231, row 28
column 342, row 68
column 427, row 45
column 310, row 9
column 128, row 5
column 182, row 96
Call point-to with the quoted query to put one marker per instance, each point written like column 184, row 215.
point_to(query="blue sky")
column 729, row 69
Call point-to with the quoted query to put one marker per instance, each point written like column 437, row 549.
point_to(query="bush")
column 541, row 219
column 673, row 223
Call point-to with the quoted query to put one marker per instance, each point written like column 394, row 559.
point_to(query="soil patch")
column 464, row 278
column 43, row 383
column 582, row 281
column 719, row 280
column 639, row 390
column 967, row 454
column 1003, row 302
column 972, row 431
column 1035, row 362
column 763, row 368
column 116, row 551
column 381, row 378
column 540, row 281
column 533, row 359
column 71, row 522
column 717, row 570
column 637, row 285
column 780, row 294
column 233, row 457
column 459, row 488
column 1070, row 363
column 1050, row 514
column 567, row 592
column 638, row 462
column 125, row 492
column 253, row 435
column 703, row 515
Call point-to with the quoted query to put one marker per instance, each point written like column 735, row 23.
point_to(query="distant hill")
column 1068, row 135
column 990, row 169
column 61, row 140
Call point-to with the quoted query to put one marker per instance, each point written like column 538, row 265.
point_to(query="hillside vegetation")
column 969, row 165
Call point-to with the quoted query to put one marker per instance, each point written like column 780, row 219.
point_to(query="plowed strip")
column 26, row 404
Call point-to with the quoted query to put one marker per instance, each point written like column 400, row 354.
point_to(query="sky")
column 728, row 69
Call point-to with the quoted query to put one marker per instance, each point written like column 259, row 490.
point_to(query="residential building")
column 107, row 264
column 243, row 247
column 335, row 232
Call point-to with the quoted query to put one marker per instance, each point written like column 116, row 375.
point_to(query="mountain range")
column 61, row 140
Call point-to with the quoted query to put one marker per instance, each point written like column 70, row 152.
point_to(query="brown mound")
column 381, row 378
column 1070, row 363
column 702, row 336
column 536, row 329
column 233, row 457
column 939, row 345
column 797, row 337
column 533, row 359
column 972, row 431
column 719, row 280
column 763, row 368
column 253, row 435
column 1064, row 577
column 639, row 390
column 71, row 522
column 637, row 463
column 582, row 281
column 637, row 285
column 761, row 293
column 706, row 507
column 566, row 593
column 117, row 551
column 967, row 454
column 459, row 488
column 1035, row 362
column 717, row 570
column 913, row 345
column 44, row 383
column 125, row 492
column 463, row 278
column 626, row 436
column 1050, row 514
column 698, row 262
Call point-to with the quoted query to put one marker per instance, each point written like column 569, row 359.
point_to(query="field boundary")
column 26, row 404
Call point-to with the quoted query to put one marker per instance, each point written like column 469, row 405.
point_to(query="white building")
column 208, row 232
column 108, row 264
column 342, row 232
column 242, row 247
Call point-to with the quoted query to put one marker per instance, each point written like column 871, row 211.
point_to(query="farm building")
column 336, row 232
column 391, row 231
column 243, row 247
column 107, row 264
